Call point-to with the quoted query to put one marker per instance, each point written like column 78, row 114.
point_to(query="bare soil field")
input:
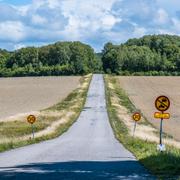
column 28, row 94
column 143, row 91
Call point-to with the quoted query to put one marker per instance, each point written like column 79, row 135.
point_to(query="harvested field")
column 27, row 94
column 143, row 91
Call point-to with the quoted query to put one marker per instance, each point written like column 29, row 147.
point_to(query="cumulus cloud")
column 162, row 18
column 38, row 20
column 7, row 12
column 141, row 17
column 94, row 22
column 12, row 31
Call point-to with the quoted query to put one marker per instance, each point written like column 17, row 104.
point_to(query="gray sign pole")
column 33, row 131
column 135, row 123
column 161, row 132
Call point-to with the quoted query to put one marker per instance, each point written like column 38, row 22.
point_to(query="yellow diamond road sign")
column 159, row 115
column 162, row 103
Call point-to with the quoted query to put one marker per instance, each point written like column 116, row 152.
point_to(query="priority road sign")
column 31, row 119
column 159, row 115
column 162, row 103
column 136, row 116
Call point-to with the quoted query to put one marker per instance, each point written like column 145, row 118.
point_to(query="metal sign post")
column 161, row 147
column 162, row 103
column 135, row 123
column 32, row 131
column 160, row 141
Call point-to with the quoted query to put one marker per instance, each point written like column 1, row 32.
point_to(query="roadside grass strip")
column 165, row 165
column 51, row 122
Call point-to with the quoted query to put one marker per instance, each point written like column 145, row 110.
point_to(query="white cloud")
column 22, row 10
column 92, row 21
column 139, row 31
column 171, row 6
column 109, row 21
column 87, row 18
column 176, row 26
column 19, row 46
column 12, row 31
column 162, row 17
column 36, row 19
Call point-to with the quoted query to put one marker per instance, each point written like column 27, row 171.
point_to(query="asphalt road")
column 87, row 151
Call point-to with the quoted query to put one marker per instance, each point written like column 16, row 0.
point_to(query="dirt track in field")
column 144, row 90
column 27, row 94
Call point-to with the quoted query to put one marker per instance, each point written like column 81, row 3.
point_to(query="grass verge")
column 164, row 165
column 18, row 133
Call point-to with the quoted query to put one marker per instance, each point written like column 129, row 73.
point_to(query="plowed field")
column 22, row 95
column 143, row 91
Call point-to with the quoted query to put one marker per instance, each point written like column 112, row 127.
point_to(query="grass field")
column 22, row 95
column 143, row 91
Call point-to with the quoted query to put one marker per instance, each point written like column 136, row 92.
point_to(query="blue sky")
column 17, row 2
column 40, row 22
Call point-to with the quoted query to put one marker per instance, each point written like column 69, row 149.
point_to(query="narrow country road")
column 88, row 150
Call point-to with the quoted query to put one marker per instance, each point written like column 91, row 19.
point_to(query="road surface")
column 87, row 151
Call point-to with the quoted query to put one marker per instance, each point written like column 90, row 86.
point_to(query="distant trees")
column 151, row 55
column 61, row 58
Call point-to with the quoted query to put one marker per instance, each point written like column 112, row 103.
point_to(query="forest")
column 61, row 58
column 149, row 55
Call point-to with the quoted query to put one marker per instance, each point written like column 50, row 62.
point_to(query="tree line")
column 61, row 58
column 149, row 55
